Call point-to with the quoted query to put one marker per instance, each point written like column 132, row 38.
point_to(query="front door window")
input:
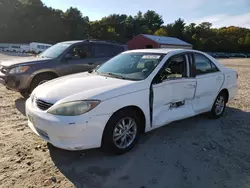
column 80, row 52
column 174, row 69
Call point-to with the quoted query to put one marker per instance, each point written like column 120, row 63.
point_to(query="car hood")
column 84, row 86
column 23, row 61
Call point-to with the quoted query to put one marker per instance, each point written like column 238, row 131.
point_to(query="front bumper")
column 19, row 82
column 70, row 133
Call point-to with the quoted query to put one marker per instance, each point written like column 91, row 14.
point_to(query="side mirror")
column 68, row 56
column 94, row 69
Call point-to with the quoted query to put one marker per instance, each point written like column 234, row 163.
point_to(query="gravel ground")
column 197, row 152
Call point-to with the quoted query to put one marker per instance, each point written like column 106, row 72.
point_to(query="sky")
column 219, row 12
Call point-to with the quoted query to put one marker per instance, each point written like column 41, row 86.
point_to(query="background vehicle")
column 25, row 49
column 136, row 91
column 24, row 74
column 38, row 47
column 18, row 48
column 15, row 48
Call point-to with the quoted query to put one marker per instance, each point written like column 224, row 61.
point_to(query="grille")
column 43, row 105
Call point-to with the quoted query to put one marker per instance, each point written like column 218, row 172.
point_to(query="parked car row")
column 116, row 95
column 229, row 55
column 33, row 47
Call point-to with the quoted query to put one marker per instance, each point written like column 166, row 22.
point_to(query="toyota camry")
column 134, row 92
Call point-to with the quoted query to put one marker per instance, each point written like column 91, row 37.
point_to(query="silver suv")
column 26, row 73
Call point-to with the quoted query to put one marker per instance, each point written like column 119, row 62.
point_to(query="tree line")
column 25, row 21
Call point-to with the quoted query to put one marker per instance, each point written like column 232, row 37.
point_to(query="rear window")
column 118, row 49
column 103, row 50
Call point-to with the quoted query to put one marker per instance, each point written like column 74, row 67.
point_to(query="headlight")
column 19, row 69
column 74, row 108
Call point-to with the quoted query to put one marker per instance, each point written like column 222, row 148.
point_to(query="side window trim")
column 211, row 63
column 165, row 64
column 192, row 65
column 187, row 67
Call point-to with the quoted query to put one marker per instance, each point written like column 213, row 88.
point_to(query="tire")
column 112, row 127
column 25, row 95
column 40, row 79
column 219, row 106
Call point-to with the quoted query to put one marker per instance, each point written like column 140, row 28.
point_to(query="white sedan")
column 134, row 92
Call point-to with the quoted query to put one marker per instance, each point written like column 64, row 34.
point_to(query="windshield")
column 55, row 51
column 131, row 66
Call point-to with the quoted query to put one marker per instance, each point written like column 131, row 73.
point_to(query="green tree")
column 178, row 28
column 161, row 32
column 76, row 25
column 247, row 39
column 152, row 20
column 27, row 21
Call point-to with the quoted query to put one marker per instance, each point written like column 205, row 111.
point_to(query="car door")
column 209, row 82
column 78, row 59
column 173, row 91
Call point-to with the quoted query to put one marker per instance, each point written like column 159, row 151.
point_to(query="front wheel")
column 122, row 132
column 40, row 79
column 219, row 106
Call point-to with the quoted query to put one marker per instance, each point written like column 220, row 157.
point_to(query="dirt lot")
column 197, row 152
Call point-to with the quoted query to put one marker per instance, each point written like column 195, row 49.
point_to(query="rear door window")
column 103, row 50
column 203, row 65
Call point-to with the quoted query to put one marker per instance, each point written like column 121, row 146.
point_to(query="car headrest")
column 149, row 65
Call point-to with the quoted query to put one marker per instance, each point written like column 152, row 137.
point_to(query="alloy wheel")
column 125, row 132
column 219, row 105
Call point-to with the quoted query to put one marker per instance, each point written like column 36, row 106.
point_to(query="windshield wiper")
column 115, row 75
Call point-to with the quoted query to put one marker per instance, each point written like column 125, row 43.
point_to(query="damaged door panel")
column 172, row 101
column 172, row 92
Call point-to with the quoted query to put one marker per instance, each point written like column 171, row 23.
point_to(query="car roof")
column 166, row 51
column 91, row 41
column 162, row 50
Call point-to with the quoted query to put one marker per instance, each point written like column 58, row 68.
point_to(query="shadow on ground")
column 197, row 152
column 20, row 105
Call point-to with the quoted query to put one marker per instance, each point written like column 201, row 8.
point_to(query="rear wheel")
column 122, row 132
column 40, row 79
column 219, row 106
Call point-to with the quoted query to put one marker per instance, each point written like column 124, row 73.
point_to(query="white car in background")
column 39, row 47
column 134, row 92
